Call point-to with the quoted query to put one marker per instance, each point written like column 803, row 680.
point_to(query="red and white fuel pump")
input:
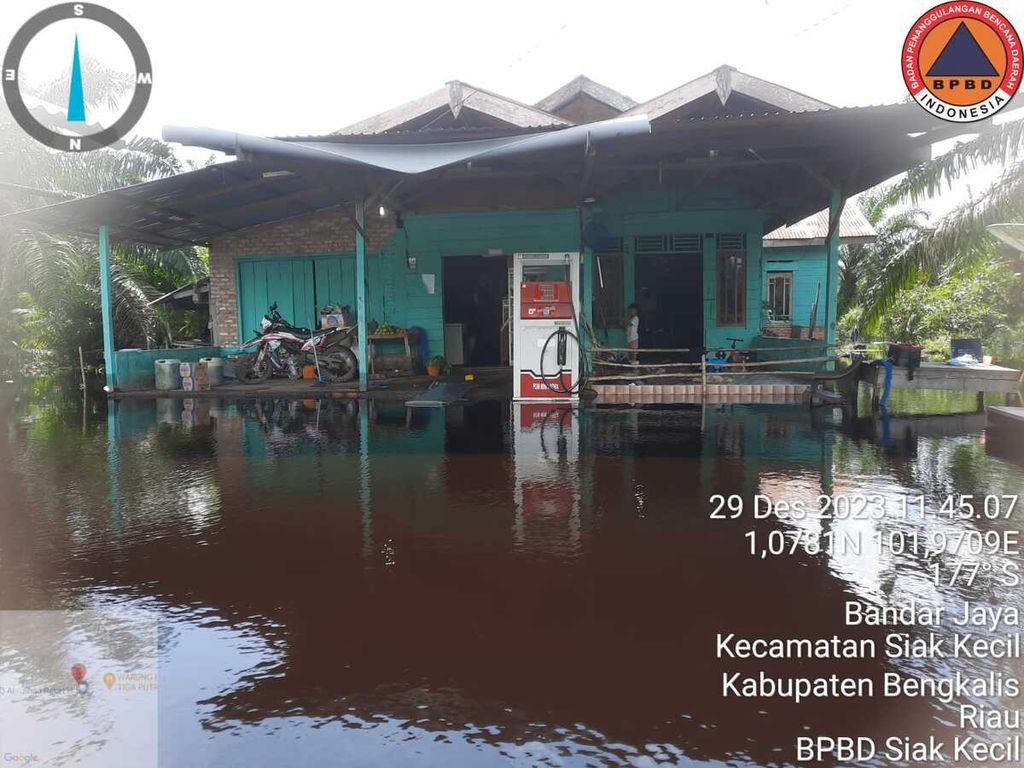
column 546, row 359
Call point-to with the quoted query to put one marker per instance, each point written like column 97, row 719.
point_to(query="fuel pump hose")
column 563, row 335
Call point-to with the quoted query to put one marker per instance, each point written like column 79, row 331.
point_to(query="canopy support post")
column 107, row 309
column 364, row 366
column 835, row 211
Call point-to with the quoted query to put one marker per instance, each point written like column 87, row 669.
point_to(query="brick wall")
column 330, row 231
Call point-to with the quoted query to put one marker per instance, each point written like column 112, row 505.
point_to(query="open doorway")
column 474, row 288
column 668, row 292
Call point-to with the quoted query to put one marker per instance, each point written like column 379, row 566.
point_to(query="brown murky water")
column 481, row 586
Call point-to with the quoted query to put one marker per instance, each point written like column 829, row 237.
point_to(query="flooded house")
column 693, row 205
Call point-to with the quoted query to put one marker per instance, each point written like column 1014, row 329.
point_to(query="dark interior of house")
column 474, row 287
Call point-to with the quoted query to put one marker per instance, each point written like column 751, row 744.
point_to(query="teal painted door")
column 335, row 281
column 289, row 282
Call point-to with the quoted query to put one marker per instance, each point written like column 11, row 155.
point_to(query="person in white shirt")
column 633, row 330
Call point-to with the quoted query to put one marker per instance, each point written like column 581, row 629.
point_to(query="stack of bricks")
column 323, row 232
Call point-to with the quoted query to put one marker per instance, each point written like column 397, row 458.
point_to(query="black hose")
column 560, row 389
column 582, row 379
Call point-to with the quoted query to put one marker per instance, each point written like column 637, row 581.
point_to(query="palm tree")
column 54, row 278
column 916, row 252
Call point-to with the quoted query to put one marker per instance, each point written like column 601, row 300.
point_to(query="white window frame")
column 788, row 276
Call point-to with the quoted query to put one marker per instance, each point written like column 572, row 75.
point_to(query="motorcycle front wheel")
column 254, row 369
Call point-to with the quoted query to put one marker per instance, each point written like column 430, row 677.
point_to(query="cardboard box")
column 193, row 370
column 336, row 319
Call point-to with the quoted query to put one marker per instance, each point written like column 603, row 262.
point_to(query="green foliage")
column 49, row 282
column 926, row 282
column 173, row 324
column 975, row 304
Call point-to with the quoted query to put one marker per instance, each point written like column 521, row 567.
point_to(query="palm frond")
column 106, row 86
column 1002, row 144
column 959, row 241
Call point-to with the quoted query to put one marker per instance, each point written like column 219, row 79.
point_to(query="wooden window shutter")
column 731, row 279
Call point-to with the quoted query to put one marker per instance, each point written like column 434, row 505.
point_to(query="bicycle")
column 719, row 360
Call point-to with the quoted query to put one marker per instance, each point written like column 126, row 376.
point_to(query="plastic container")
column 905, row 355
column 960, row 347
column 215, row 366
column 167, row 374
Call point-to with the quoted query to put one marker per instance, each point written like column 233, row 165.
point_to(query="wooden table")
column 371, row 349
column 1007, row 416
column 972, row 378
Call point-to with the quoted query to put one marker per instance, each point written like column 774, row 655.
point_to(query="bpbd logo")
column 962, row 61
column 89, row 103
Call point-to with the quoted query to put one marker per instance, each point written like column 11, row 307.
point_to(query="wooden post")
column 835, row 212
column 812, row 321
column 107, row 309
column 81, row 366
column 361, row 319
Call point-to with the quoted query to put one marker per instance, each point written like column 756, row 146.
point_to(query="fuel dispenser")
column 546, row 359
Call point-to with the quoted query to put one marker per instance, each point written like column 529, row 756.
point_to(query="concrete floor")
column 489, row 383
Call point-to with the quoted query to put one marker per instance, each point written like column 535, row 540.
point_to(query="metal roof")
column 783, row 164
column 853, row 228
column 188, row 291
column 581, row 84
column 725, row 81
column 451, row 100
column 1011, row 234
column 195, row 207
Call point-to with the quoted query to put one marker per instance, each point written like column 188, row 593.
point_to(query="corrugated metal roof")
column 457, row 95
column 853, row 228
column 862, row 146
column 725, row 81
column 1011, row 234
column 582, row 84
column 194, row 207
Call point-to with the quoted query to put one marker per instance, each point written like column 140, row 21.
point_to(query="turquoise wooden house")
column 411, row 216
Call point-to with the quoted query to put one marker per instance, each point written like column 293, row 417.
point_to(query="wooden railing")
column 692, row 370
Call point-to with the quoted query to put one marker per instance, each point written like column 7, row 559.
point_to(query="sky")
column 305, row 67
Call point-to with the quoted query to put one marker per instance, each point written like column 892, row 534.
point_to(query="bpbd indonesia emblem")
column 96, row 81
column 962, row 61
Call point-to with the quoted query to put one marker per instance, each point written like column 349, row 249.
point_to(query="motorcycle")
column 283, row 349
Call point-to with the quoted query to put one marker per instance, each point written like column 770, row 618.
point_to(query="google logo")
column 26, row 758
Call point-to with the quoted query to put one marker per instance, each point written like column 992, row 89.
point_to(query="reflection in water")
column 482, row 584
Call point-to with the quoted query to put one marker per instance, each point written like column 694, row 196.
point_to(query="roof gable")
column 729, row 91
column 583, row 86
column 458, row 104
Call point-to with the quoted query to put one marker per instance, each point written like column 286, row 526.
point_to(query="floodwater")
column 337, row 583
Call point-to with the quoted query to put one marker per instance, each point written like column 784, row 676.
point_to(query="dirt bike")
column 283, row 349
